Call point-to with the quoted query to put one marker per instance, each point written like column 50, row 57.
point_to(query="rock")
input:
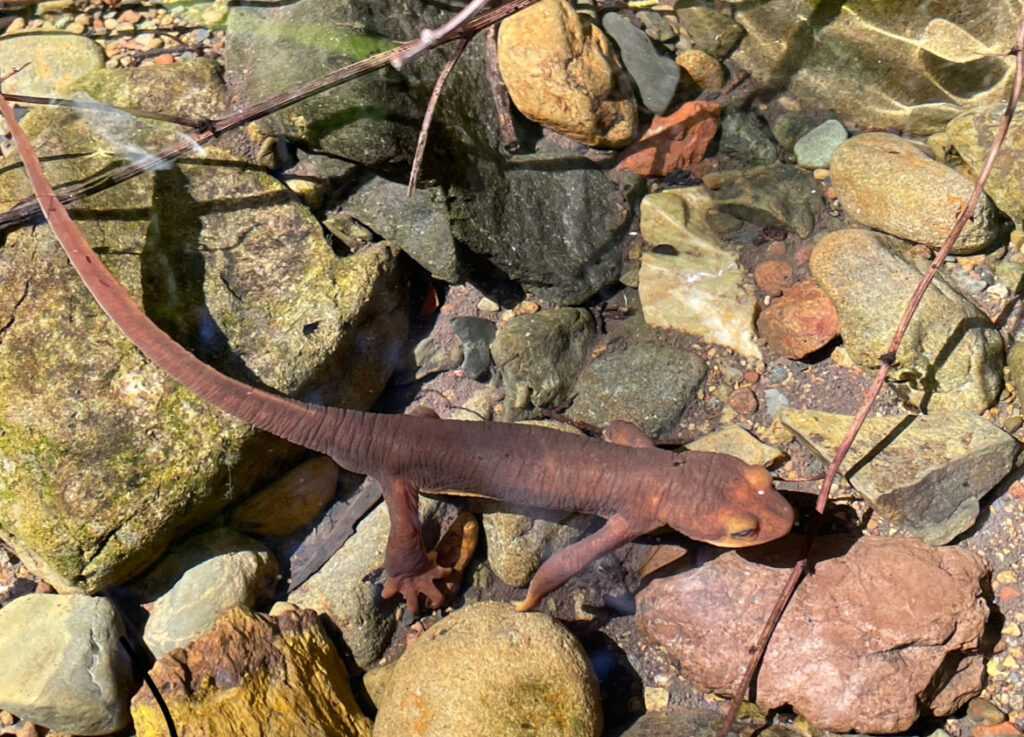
column 924, row 473
column 881, row 177
column 476, row 335
column 775, row 196
column 655, row 25
column 706, row 72
column 540, row 355
column 699, row 289
column 836, row 667
column 1015, row 363
column 800, row 322
column 54, row 62
column 773, row 276
column 972, row 134
column 254, row 675
column 417, row 224
column 736, row 441
column 346, row 590
column 648, row 384
column 433, row 357
column 696, row 722
column 488, row 669
column 141, row 459
column 951, row 357
column 562, row 73
column 62, row 665
column 200, row 578
column 656, row 76
column 778, row 38
column 814, row 149
column 290, row 502
column 788, row 128
column 744, row 139
column 709, row 31
column 910, row 68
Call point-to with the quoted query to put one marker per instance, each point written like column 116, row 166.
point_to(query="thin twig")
column 428, row 116
column 66, row 194
column 499, row 93
column 101, row 107
column 429, row 37
column 887, row 361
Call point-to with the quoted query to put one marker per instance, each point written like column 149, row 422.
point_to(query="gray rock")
column 193, row 245
column 346, row 590
column 774, row 400
column 924, row 473
column 489, row 670
column 951, row 357
column 789, row 127
column 709, row 31
column 648, row 384
column 202, row 577
column 880, row 177
column 745, row 139
column 54, row 62
column 655, row 25
column 432, row 358
column 778, row 196
column 62, row 665
column 656, row 76
column 418, row 224
column 540, row 355
column 815, row 148
column 476, row 335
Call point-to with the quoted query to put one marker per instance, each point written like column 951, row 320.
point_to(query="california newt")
column 635, row 486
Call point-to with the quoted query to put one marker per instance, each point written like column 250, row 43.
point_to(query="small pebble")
column 743, row 401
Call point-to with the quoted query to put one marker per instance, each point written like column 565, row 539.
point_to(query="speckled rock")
column 710, row 31
column 880, row 177
column 930, row 472
column 656, row 76
column 488, row 669
column 972, row 135
column 289, row 502
column 832, row 656
column 699, row 289
column 562, row 73
column 540, row 355
column 952, row 356
column 254, row 675
column 745, row 139
column 776, row 196
column 800, row 322
column 200, row 578
column 62, row 665
column 54, row 62
column 223, row 259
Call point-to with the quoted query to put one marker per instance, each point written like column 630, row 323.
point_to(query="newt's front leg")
column 410, row 569
column 569, row 561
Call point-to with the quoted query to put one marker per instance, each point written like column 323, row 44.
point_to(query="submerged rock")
column 884, row 631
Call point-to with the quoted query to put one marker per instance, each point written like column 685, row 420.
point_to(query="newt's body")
column 636, row 487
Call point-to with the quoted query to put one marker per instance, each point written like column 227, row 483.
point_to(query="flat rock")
column 735, row 441
column 951, row 357
column 254, row 675
column 540, row 355
column 699, row 289
column 832, row 656
column 289, row 502
column 777, row 37
column 924, row 473
column 54, row 62
column 709, row 30
column 880, row 178
column 561, row 72
column 62, row 665
column 656, row 76
column 203, row 576
column 776, row 196
column 800, row 322
column 487, row 669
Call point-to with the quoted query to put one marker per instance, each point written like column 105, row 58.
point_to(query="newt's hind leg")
column 410, row 569
column 569, row 561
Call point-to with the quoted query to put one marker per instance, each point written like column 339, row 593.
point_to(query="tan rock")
column 704, row 69
column 254, row 675
column 489, row 670
column 562, row 73
column 800, row 322
column 291, row 501
column 885, row 182
column 885, row 630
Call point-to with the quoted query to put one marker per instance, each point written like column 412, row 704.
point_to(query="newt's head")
column 734, row 506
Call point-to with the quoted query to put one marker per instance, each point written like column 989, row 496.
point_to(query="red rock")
column 800, row 322
column 990, row 730
column 675, row 142
column 885, row 630
column 773, row 276
column 743, row 401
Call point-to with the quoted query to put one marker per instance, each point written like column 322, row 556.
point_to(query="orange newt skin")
column 636, row 487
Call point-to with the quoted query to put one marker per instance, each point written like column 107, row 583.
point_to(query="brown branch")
column 428, row 116
column 218, row 127
column 887, row 360
column 101, row 107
